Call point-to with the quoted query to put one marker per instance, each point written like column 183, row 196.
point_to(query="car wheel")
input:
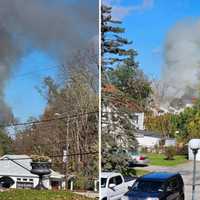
column 105, row 198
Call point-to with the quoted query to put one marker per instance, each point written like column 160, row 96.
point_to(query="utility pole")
column 65, row 152
column 65, row 160
column 67, row 149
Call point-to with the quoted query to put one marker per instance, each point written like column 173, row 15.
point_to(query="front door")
column 55, row 185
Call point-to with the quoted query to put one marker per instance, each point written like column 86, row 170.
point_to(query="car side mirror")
column 112, row 185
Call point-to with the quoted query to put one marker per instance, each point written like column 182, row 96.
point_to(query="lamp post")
column 194, row 145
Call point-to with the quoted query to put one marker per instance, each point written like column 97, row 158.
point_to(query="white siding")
column 148, row 141
column 20, row 179
column 170, row 142
column 139, row 121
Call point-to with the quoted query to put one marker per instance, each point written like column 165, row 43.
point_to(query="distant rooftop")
column 21, row 166
column 10, row 168
column 150, row 134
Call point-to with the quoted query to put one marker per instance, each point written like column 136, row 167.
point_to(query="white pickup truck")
column 114, row 185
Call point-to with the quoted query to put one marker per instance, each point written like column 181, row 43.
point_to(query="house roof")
column 20, row 166
column 151, row 134
column 147, row 133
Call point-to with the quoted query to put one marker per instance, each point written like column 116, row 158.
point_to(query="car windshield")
column 148, row 186
column 103, row 182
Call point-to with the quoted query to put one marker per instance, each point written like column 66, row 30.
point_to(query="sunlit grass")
column 159, row 160
column 40, row 195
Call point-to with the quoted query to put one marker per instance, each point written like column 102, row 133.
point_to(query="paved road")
column 186, row 170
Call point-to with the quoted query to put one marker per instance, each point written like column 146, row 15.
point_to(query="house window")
column 31, row 180
column 19, row 179
column 23, row 185
column 135, row 119
column 24, row 179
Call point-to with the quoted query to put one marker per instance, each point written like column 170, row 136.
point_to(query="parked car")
column 114, row 185
column 137, row 158
column 157, row 186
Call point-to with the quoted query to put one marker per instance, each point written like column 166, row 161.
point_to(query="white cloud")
column 120, row 11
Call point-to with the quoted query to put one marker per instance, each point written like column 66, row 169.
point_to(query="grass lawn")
column 159, row 160
column 141, row 172
column 39, row 195
column 137, row 172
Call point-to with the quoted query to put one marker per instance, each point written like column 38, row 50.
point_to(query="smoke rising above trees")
column 55, row 27
column 181, row 68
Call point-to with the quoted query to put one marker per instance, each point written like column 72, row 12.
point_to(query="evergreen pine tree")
column 117, row 129
column 113, row 45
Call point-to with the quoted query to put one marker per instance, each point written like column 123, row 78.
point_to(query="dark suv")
column 157, row 186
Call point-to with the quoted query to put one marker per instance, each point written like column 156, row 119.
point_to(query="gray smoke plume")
column 181, row 70
column 57, row 27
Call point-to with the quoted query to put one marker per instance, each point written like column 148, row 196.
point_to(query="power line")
column 61, row 142
column 119, row 113
column 33, row 72
column 40, row 70
column 48, row 120
column 53, row 156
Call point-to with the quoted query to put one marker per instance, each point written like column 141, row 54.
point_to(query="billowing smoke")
column 181, row 72
column 57, row 27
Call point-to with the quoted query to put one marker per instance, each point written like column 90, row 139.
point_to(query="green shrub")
column 40, row 158
column 182, row 150
column 144, row 150
column 80, row 183
column 170, row 152
column 83, row 183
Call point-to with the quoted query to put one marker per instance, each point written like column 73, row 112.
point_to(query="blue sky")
column 21, row 93
column 147, row 23
column 41, row 31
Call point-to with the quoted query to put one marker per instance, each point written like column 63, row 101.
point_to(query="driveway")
column 186, row 170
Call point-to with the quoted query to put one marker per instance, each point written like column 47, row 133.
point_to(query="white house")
column 150, row 140
column 170, row 142
column 16, row 174
column 138, row 120
column 147, row 139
